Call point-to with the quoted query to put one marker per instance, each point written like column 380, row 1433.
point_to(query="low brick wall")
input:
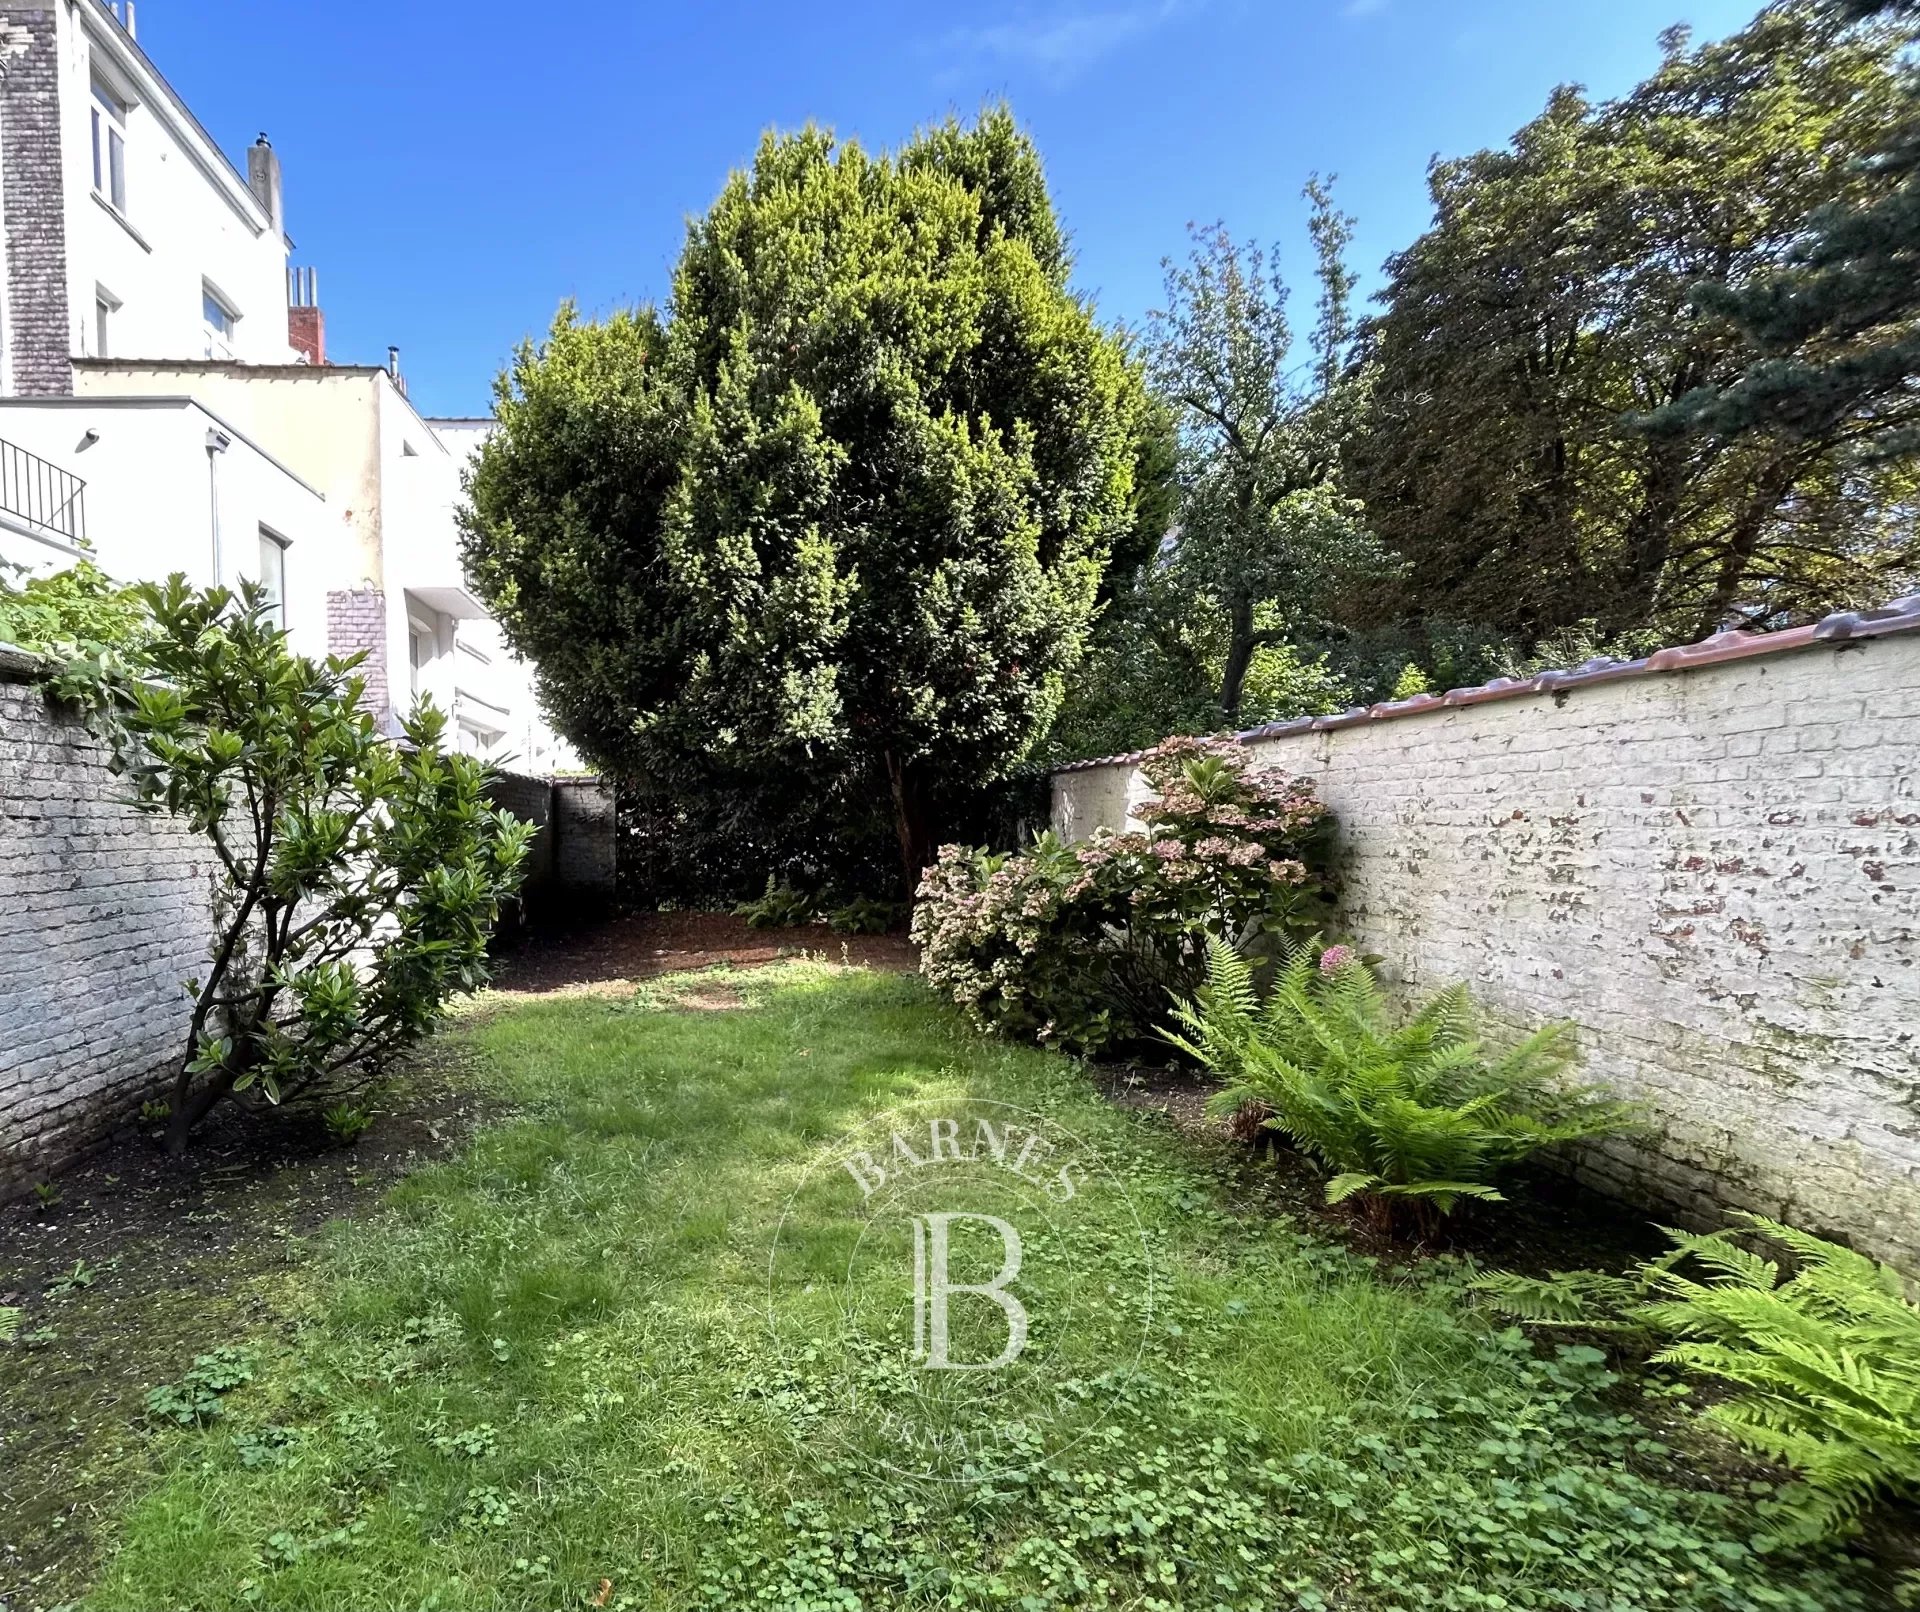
column 103, row 917
column 1714, row 872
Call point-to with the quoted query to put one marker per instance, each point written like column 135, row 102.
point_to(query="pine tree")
column 1837, row 326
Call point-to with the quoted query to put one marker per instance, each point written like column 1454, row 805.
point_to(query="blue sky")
column 454, row 170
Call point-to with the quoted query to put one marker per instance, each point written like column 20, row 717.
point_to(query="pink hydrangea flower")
column 1335, row 958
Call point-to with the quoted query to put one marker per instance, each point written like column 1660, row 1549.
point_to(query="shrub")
column 356, row 880
column 1080, row 945
column 781, row 907
column 1416, row 1114
column 865, row 916
column 78, row 609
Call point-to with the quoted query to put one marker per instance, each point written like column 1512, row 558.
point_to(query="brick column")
column 357, row 620
column 38, row 328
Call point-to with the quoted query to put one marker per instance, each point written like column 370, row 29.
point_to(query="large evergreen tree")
column 830, row 528
column 1836, row 326
column 1551, row 303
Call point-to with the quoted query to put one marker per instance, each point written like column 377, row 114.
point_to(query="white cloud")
column 1061, row 43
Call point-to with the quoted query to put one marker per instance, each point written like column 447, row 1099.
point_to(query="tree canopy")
column 1836, row 326
column 828, row 529
column 1551, row 306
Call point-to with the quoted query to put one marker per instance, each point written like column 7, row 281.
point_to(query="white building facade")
column 166, row 403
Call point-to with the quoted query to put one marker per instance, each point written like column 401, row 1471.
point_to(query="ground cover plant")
column 1822, row 1352
column 540, row 1378
column 1080, row 946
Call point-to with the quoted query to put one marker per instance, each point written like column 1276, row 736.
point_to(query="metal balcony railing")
column 42, row 494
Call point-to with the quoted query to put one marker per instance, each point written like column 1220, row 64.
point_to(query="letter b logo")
column 932, row 1287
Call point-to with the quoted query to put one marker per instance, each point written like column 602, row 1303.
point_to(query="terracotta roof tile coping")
column 1843, row 626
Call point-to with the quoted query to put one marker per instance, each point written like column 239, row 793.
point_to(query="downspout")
column 217, row 444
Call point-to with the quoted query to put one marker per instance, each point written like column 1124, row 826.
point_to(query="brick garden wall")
column 103, row 915
column 1715, row 873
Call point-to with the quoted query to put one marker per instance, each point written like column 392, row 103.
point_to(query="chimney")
column 393, row 370
column 263, row 177
column 306, row 324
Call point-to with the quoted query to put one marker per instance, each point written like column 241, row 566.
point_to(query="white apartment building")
column 166, row 402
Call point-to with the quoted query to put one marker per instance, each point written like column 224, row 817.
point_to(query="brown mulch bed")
column 608, row 957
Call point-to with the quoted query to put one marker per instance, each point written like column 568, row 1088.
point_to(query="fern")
column 1827, row 1361
column 1415, row 1112
column 1589, row 1301
column 9, row 1323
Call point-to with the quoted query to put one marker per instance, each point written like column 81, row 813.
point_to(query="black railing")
column 41, row 494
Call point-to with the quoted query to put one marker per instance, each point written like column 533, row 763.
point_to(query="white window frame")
column 109, row 110
column 105, row 306
column 417, row 630
column 219, row 332
column 270, row 539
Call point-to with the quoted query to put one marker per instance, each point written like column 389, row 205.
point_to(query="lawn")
column 629, row 1348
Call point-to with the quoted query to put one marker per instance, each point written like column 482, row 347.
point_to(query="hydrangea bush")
column 1079, row 946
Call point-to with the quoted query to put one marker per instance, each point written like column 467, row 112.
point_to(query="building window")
column 105, row 306
column 219, row 317
column 109, row 146
column 421, row 649
column 273, row 575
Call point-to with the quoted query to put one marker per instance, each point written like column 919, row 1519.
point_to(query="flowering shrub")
column 1080, row 945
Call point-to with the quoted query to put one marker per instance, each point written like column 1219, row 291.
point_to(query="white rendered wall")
column 189, row 218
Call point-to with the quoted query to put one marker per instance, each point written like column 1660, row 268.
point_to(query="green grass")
column 552, row 1363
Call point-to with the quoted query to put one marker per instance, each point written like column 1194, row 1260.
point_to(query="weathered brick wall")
column 1715, row 873
column 357, row 620
column 103, row 916
column 569, row 874
column 530, row 800
column 31, row 191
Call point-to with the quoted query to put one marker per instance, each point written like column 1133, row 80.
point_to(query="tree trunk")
column 1649, row 537
column 912, row 820
column 192, row 1104
column 1240, row 647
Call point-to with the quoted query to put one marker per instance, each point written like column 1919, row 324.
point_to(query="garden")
column 897, row 1204
column 537, row 1375
column 541, row 1356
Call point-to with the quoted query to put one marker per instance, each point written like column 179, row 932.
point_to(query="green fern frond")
column 1826, row 1361
column 1415, row 1110
column 9, row 1323
column 1589, row 1300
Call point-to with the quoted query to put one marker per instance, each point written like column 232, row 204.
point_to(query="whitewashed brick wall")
column 103, row 916
column 1715, row 873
